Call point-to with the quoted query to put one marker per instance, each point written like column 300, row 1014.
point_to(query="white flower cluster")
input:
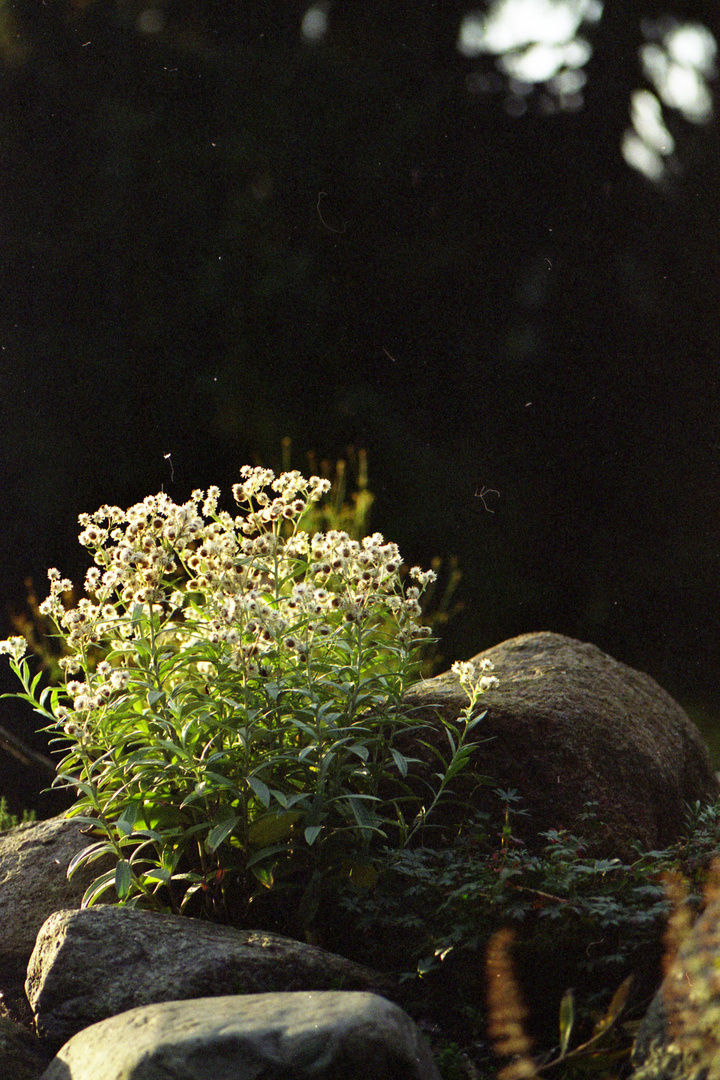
column 299, row 593
column 472, row 682
column 238, row 587
column 16, row 647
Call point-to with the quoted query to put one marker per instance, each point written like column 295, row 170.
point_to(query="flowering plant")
column 231, row 710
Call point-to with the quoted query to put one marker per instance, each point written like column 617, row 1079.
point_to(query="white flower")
column 472, row 683
column 91, row 536
column 210, row 504
column 119, row 679
column 423, row 577
column 70, row 664
column 92, row 579
column 464, row 670
column 15, row 647
column 289, row 483
column 319, row 486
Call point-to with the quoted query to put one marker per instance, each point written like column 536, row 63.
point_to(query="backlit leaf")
column 567, row 1019
column 220, row 833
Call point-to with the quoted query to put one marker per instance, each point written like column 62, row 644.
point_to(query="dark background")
column 216, row 233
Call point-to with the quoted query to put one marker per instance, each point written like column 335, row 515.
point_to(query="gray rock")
column 569, row 725
column 33, row 884
column 91, row 964
column 323, row 1036
column 679, row 1037
column 22, row 1057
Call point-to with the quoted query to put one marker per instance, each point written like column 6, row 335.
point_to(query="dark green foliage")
column 578, row 922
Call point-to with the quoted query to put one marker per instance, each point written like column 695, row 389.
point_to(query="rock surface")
column 323, row 1036
column 570, row 725
column 33, row 884
column 22, row 1057
column 92, row 964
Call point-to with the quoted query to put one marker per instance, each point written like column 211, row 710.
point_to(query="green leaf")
column 288, row 801
column 459, row 762
column 261, row 790
column 157, row 874
column 360, row 812
column 152, row 836
column 221, row 832
column 451, row 739
column 90, row 822
column 400, row 760
column 143, row 650
column 216, row 781
column 567, row 1019
column 603, row 865
column 123, row 879
column 616, row 1006
column 126, row 822
column 198, row 793
column 311, row 833
column 97, row 888
column 425, row 965
column 475, row 721
column 173, row 748
column 600, row 1060
column 270, row 828
column 189, row 893
column 88, row 790
column 264, row 875
column 89, row 855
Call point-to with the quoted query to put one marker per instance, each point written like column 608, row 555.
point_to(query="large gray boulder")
column 569, row 725
column 92, row 964
column 33, row 884
column 323, row 1036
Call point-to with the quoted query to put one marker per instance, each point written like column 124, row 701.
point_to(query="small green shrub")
column 232, row 699
column 8, row 820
